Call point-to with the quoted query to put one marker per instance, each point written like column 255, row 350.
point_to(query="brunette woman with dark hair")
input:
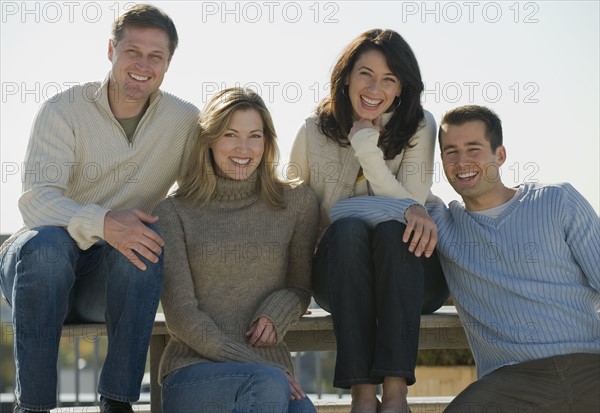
column 371, row 136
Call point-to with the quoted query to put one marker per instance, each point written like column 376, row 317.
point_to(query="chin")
column 370, row 115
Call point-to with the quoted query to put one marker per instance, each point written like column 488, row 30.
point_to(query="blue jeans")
column 48, row 281
column 209, row 387
column 376, row 291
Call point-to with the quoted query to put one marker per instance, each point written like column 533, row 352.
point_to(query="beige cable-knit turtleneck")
column 230, row 262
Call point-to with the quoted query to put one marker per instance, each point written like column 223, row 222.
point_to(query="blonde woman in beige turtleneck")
column 238, row 250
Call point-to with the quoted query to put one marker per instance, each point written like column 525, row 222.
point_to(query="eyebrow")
column 135, row 46
column 472, row 143
column 252, row 131
column 371, row 70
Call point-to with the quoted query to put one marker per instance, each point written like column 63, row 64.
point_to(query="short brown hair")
column 146, row 16
column 469, row 113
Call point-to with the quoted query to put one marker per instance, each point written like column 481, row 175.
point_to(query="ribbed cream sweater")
column 79, row 163
column 227, row 264
column 331, row 170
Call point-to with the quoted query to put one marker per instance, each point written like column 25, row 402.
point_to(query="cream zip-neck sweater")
column 228, row 263
column 80, row 165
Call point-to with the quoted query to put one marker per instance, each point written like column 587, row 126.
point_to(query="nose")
column 243, row 144
column 143, row 62
column 374, row 85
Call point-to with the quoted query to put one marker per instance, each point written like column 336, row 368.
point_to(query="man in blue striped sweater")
column 523, row 266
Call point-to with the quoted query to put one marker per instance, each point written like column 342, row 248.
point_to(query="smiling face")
column 470, row 165
column 139, row 63
column 372, row 87
column 239, row 150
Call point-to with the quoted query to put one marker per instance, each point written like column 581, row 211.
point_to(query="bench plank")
column 313, row 332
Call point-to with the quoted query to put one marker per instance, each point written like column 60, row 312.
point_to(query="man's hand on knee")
column 126, row 232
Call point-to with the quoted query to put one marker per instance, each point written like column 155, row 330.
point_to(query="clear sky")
column 536, row 63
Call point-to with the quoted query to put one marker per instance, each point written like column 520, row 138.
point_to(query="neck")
column 231, row 193
column 489, row 200
column 123, row 107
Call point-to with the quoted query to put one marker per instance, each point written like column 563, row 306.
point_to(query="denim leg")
column 88, row 304
column 37, row 273
column 344, row 260
column 132, row 297
column 399, row 298
column 230, row 387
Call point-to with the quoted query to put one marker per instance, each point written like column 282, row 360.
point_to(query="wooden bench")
column 313, row 332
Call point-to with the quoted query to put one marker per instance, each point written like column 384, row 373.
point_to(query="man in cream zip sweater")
column 100, row 157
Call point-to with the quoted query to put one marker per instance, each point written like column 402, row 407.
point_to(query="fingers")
column 362, row 123
column 144, row 217
column 423, row 240
column 153, row 242
column 416, row 241
column 126, row 232
column 133, row 251
column 135, row 260
column 410, row 226
column 296, row 392
column 150, row 253
column 262, row 333
column 155, row 238
column 431, row 244
column 147, row 248
column 421, row 231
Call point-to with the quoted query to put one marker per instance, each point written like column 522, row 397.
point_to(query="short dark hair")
column 463, row 114
column 334, row 113
column 146, row 16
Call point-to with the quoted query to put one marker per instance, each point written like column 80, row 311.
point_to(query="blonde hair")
column 199, row 182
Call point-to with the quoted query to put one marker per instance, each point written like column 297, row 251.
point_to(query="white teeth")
column 466, row 175
column 371, row 102
column 241, row 161
column 138, row 77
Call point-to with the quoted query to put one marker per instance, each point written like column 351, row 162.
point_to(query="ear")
column 111, row 50
column 501, row 155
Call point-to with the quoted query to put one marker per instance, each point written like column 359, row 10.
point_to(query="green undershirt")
column 131, row 124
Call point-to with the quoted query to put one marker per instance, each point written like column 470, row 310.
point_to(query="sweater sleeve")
column 285, row 306
column 185, row 320
column 298, row 166
column 47, row 171
column 371, row 209
column 582, row 230
column 419, row 158
column 190, row 145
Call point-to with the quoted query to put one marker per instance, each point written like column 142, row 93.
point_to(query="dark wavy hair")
column 334, row 113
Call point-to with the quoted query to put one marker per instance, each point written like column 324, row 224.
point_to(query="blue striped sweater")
column 527, row 283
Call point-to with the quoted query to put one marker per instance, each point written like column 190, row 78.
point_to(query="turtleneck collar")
column 234, row 194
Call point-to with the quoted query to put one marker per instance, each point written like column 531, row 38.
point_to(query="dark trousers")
column 376, row 291
column 561, row 384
